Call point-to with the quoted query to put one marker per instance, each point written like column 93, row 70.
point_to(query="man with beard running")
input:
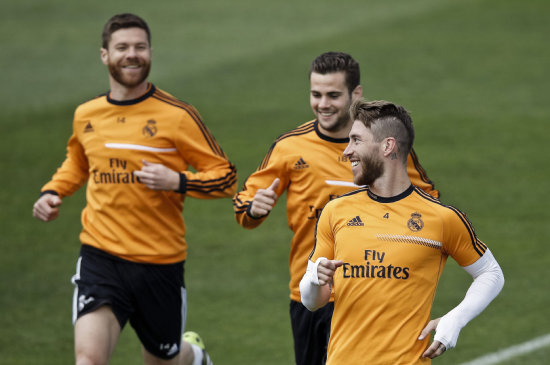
column 381, row 250
column 133, row 147
column 308, row 163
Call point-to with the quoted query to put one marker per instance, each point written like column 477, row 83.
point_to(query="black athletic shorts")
column 152, row 297
column 311, row 331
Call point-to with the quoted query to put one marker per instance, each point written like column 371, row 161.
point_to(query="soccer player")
column 132, row 147
column 308, row 163
column 382, row 249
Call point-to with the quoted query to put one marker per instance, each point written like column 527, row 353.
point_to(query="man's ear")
column 389, row 147
column 104, row 54
column 357, row 93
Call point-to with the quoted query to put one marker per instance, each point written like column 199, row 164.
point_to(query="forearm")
column 487, row 284
column 313, row 295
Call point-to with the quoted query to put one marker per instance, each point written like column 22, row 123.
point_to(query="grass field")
column 473, row 73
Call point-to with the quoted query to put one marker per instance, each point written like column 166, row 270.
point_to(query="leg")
column 185, row 357
column 96, row 335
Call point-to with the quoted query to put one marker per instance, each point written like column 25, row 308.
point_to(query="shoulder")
column 169, row 101
column 92, row 103
column 346, row 198
column 300, row 134
column 448, row 213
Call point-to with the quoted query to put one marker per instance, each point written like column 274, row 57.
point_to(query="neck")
column 339, row 134
column 121, row 93
column 393, row 182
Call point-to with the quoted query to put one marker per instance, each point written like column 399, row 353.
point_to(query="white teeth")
column 354, row 163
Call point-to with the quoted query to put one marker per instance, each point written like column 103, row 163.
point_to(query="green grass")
column 473, row 73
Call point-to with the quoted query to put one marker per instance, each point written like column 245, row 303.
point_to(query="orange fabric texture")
column 313, row 171
column 394, row 251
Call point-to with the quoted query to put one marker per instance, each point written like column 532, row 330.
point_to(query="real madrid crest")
column 150, row 128
column 416, row 223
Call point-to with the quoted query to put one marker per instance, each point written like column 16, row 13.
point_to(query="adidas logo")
column 88, row 128
column 300, row 164
column 356, row 222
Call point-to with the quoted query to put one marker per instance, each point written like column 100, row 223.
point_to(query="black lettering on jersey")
column 387, row 215
column 374, row 271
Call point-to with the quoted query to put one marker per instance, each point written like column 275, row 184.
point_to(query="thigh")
column 160, row 308
column 311, row 331
column 95, row 336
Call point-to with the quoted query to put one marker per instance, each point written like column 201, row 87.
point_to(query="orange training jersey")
column 313, row 171
column 393, row 250
column 110, row 139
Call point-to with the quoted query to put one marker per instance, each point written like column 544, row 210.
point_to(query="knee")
column 87, row 359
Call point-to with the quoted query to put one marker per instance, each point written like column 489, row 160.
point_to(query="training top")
column 393, row 250
column 110, row 139
column 313, row 171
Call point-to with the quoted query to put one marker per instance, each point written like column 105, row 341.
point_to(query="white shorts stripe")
column 76, row 277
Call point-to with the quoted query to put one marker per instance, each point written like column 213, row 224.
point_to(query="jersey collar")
column 391, row 199
column 151, row 89
column 327, row 138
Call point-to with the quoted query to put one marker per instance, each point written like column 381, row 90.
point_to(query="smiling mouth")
column 354, row 163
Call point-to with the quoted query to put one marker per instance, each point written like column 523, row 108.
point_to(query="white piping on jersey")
column 409, row 239
column 341, row 183
column 128, row 146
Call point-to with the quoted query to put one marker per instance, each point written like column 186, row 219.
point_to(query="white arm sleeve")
column 488, row 281
column 314, row 296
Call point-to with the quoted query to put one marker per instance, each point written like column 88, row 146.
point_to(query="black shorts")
column 311, row 331
column 152, row 297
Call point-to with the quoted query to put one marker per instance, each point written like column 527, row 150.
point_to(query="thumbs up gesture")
column 264, row 200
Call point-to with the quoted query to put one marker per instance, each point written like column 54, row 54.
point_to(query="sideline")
column 512, row 351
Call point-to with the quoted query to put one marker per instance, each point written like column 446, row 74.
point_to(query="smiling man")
column 133, row 147
column 380, row 251
column 308, row 163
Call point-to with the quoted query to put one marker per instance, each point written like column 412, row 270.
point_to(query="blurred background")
column 474, row 75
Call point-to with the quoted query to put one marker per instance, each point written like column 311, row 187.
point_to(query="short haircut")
column 386, row 119
column 122, row 21
column 331, row 62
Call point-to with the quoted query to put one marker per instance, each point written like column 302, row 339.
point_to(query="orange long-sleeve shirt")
column 313, row 171
column 110, row 139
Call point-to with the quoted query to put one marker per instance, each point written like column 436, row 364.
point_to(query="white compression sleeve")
column 313, row 295
column 488, row 281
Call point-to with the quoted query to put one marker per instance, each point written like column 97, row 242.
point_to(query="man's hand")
column 326, row 269
column 264, row 200
column 158, row 177
column 46, row 207
column 436, row 348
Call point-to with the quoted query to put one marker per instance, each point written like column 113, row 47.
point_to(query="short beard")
column 114, row 70
column 371, row 169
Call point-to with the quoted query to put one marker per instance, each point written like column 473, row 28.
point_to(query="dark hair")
column 121, row 21
column 330, row 62
column 386, row 119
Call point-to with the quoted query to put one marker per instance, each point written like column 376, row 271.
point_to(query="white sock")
column 197, row 351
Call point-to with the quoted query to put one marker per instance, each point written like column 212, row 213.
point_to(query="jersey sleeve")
column 460, row 240
column 213, row 176
column 273, row 166
column 418, row 175
column 324, row 236
column 73, row 172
